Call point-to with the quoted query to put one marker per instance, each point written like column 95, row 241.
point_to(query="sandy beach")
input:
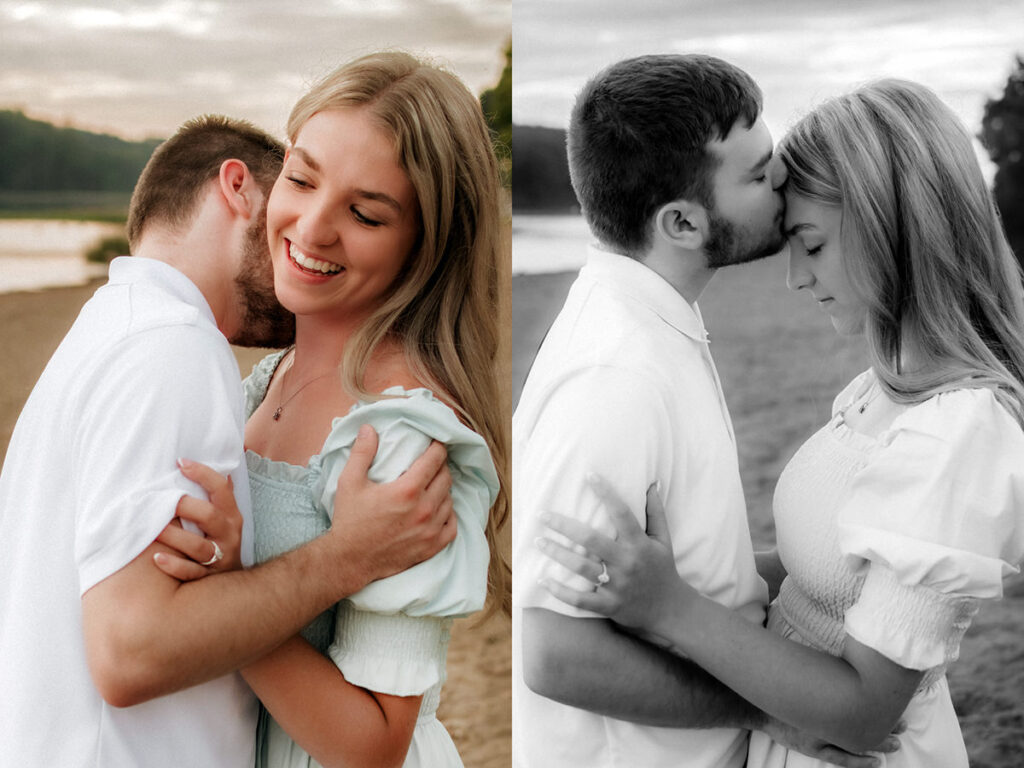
column 780, row 364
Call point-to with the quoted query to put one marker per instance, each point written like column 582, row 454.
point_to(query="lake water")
column 546, row 244
column 37, row 254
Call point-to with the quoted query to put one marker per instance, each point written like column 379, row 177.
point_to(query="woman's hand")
column 634, row 574
column 197, row 555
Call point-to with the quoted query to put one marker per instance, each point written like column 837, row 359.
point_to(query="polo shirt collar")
column 629, row 277
column 125, row 270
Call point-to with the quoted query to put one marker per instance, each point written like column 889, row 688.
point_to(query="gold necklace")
column 282, row 404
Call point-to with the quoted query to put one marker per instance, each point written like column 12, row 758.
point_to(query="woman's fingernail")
column 185, row 464
column 541, row 542
column 160, row 558
column 365, row 431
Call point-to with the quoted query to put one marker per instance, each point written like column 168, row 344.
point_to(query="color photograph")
column 88, row 91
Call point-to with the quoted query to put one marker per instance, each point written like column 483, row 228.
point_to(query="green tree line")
column 38, row 156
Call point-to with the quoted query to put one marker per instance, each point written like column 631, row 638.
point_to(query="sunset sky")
column 139, row 68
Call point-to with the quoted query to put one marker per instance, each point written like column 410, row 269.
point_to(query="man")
column 669, row 158
column 107, row 661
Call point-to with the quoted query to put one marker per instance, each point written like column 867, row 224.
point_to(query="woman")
column 384, row 231
column 905, row 510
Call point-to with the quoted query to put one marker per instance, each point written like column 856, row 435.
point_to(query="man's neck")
column 686, row 271
column 183, row 256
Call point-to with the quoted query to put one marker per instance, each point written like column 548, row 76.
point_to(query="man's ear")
column 239, row 188
column 682, row 224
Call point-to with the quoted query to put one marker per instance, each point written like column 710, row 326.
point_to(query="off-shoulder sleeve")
column 392, row 635
column 454, row 581
column 255, row 385
column 852, row 391
column 935, row 520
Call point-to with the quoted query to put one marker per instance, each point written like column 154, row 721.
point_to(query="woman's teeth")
column 308, row 262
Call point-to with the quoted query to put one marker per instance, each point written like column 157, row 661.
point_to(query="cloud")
column 141, row 68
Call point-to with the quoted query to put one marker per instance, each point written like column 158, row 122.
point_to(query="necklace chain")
column 282, row 403
column 874, row 391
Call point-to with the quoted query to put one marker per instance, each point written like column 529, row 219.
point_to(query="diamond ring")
column 218, row 554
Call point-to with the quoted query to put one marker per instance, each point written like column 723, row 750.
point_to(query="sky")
column 799, row 51
column 139, row 68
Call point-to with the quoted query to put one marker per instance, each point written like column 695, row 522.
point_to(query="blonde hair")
column 923, row 242
column 447, row 306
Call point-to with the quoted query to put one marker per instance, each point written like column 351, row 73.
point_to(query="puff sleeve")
column 934, row 521
column 391, row 635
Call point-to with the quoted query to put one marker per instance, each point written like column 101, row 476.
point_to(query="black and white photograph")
column 767, row 457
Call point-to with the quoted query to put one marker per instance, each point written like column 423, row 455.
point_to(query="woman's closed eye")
column 362, row 218
column 298, row 182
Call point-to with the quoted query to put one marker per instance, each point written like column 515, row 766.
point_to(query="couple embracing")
column 356, row 478
column 640, row 634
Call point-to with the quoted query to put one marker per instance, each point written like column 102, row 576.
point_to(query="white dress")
column 391, row 636
column 893, row 540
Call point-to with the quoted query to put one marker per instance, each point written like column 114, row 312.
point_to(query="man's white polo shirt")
column 624, row 386
column 142, row 378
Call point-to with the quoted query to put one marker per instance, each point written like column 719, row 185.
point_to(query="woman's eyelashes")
column 362, row 218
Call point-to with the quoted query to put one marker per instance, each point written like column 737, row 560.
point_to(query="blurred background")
column 780, row 361
column 89, row 87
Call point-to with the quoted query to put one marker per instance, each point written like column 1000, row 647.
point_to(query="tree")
column 496, row 103
column 1002, row 134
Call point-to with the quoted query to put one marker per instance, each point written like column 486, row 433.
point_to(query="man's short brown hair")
column 638, row 138
column 168, row 188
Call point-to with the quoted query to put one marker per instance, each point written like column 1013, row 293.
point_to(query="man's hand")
column 800, row 741
column 390, row 527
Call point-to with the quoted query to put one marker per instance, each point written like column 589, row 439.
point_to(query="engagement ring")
column 603, row 577
column 218, row 555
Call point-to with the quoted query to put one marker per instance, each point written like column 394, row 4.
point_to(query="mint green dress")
column 392, row 636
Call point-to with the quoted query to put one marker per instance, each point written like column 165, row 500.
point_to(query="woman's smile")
column 311, row 265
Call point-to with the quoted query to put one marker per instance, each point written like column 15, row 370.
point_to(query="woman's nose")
column 798, row 275
column 316, row 225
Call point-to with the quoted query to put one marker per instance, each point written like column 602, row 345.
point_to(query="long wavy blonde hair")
column 448, row 305
column 922, row 241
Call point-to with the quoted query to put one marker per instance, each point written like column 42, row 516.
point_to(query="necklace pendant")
column 277, row 413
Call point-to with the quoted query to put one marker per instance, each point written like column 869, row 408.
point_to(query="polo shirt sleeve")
column 602, row 420
column 160, row 394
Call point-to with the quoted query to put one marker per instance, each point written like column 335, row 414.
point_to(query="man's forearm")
column 594, row 665
column 148, row 635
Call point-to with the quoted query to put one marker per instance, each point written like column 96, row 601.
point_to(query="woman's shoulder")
column 255, row 385
column 409, row 418
column 968, row 415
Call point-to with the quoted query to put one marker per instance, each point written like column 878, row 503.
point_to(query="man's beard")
column 728, row 245
column 265, row 323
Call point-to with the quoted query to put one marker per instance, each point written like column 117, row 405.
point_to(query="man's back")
column 623, row 387
column 142, row 378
